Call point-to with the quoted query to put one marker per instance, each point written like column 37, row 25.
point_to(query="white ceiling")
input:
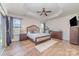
column 30, row 9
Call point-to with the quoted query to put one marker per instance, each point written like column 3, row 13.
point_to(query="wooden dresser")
column 23, row 37
column 56, row 34
column 74, row 35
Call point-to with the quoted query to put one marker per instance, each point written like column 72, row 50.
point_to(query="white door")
column 0, row 34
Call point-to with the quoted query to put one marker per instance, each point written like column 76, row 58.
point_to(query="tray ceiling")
column 30, row 9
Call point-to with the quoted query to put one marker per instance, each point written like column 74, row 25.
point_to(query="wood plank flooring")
column 27, row 48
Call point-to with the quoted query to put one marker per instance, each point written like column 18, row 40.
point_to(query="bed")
column 33, row 33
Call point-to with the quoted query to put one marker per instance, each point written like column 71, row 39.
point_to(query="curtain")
column 9, row 26
column 8, row 38
column 9, row 29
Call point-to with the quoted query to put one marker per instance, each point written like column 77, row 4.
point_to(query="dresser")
column 56, row 34
column 23, row 36
column 74, row 35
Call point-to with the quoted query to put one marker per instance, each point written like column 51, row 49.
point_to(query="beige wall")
column 61, row 24
column 27, row 21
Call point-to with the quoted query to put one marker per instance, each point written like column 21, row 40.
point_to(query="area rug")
column 43, row 46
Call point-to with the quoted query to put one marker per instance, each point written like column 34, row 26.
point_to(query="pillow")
column 28, row 32
column 32, row 32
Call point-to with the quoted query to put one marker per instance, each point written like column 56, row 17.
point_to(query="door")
column 0, row 32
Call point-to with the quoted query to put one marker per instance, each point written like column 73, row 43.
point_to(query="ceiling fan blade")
column 41, row 13
column 45, row 14
column 38, row 11
column 43, row 10
column 48, row 11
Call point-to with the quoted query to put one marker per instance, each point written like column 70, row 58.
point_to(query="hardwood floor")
column 27, row 48
column 1, row 50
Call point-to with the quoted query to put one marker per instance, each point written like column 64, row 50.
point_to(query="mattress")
column 35, row 35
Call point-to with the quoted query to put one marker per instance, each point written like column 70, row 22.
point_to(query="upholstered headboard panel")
column 33, row 28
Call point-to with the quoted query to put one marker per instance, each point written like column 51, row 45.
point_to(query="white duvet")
column 35, row 35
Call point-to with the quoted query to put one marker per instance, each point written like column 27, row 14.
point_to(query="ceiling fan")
column 44, row 12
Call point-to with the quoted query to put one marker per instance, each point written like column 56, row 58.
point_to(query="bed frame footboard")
column 42, row 39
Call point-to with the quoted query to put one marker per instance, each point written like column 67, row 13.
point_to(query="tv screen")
column 73, row 21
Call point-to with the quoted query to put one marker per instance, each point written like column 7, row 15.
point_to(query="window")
column 16, row 23
column 16, row 28
column 41, row 27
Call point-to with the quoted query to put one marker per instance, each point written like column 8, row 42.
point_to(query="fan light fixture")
column 44, row 12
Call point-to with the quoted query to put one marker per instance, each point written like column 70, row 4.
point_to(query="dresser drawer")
column 23, row 37
column 57, row 35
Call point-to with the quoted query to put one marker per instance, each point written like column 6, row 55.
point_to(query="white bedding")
column 35, row 35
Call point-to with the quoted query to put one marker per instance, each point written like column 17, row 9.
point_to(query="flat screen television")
column 73, row 21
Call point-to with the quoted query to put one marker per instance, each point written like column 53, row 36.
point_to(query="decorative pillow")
column 32, row 32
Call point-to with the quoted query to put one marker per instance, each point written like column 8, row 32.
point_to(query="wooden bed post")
column 36, row 41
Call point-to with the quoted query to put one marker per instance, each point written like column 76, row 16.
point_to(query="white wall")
column 61, row 24
column 3, row 11
column 26, row 21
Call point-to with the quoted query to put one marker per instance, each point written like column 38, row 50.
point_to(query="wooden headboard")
column 33, row 28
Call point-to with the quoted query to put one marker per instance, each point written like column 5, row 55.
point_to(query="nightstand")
column 23, row 37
